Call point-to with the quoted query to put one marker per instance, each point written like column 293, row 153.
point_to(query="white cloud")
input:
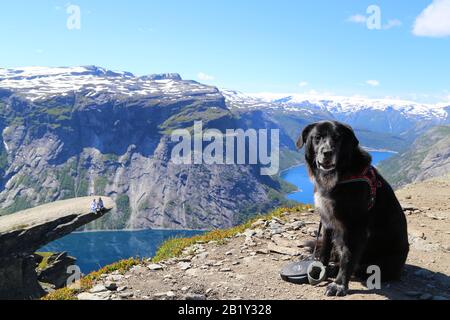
column 303, row 84
column 373, row 83
column 205, row 77
column 434, row 21
column 357, row 18
column 392, row 24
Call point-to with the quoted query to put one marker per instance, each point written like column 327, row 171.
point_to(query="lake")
column 94, row 250
column 298, row 176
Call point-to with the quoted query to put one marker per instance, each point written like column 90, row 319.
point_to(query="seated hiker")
column 100, row 205
column 94, row 206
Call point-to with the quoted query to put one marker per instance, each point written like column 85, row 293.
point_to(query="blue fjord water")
column 94, row 250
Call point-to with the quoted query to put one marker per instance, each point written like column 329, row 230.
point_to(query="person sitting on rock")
column 94, row 206
column 100, row 205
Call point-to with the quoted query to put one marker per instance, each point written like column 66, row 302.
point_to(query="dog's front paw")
column 337, row 290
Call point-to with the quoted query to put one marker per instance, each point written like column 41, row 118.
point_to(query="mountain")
column 380, row 123
column 427, row 158
column 71, row 132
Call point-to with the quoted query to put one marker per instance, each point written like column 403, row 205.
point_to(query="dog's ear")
column 304, row 136
column 350, row 134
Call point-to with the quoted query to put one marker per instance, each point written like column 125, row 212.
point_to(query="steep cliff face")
column 75, row 132
column 427, row 158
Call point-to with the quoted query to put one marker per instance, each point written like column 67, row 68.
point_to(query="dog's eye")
column 318, row 138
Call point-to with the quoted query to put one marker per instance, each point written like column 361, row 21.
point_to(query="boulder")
column 25, row 232
column 55, row 272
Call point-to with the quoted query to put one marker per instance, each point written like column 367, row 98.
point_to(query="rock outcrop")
column 23, row 233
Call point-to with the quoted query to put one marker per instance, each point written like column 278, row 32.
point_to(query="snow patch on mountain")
column 334, row 104
column 40, row 83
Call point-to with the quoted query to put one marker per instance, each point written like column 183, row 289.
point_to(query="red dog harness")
column 369, row 175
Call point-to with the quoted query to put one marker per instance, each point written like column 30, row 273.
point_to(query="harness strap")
column 369, row 176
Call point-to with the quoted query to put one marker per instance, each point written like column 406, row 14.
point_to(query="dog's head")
column 329, row 146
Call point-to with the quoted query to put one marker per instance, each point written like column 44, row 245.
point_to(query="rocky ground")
column 247, row 266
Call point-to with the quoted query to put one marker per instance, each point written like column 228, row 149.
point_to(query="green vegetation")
column 20, row 203
column 100, row 184
column 87, row 282
column 123, row 203
column 45, row 256
column 174, row 247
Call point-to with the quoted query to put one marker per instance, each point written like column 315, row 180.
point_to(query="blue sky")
column 252, row 45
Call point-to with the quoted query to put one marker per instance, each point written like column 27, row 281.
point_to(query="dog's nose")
column 327, row 154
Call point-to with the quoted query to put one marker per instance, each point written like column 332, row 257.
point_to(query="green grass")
column 87, row 282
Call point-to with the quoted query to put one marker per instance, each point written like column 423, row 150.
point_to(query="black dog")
column 363, row 220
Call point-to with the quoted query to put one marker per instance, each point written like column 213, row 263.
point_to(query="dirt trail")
column 246, row 267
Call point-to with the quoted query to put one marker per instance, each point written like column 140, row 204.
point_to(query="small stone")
column 170, row 294
column 235, row 263
column 195, row 297
column 277, row 220
column 111, row 286
column 184, row 289
column 126, row 294
column 202, row 256
column 297, row 225
column 122, row 288
column 262, row 251
column 184, row 266
column 249, row 233
column 98, row 288
column 208, row 291
column 155, row 267
column 258, row 223
column 168, row 276
column 89, row 297
column 229, row 253
column 115, row 277
column 225, row 270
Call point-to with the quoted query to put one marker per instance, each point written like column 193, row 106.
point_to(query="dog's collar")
column 368, row 175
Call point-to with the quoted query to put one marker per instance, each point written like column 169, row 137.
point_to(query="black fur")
column 361, row 236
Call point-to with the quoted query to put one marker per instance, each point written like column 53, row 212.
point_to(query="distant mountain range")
column 77, row 131
column 387, row 116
